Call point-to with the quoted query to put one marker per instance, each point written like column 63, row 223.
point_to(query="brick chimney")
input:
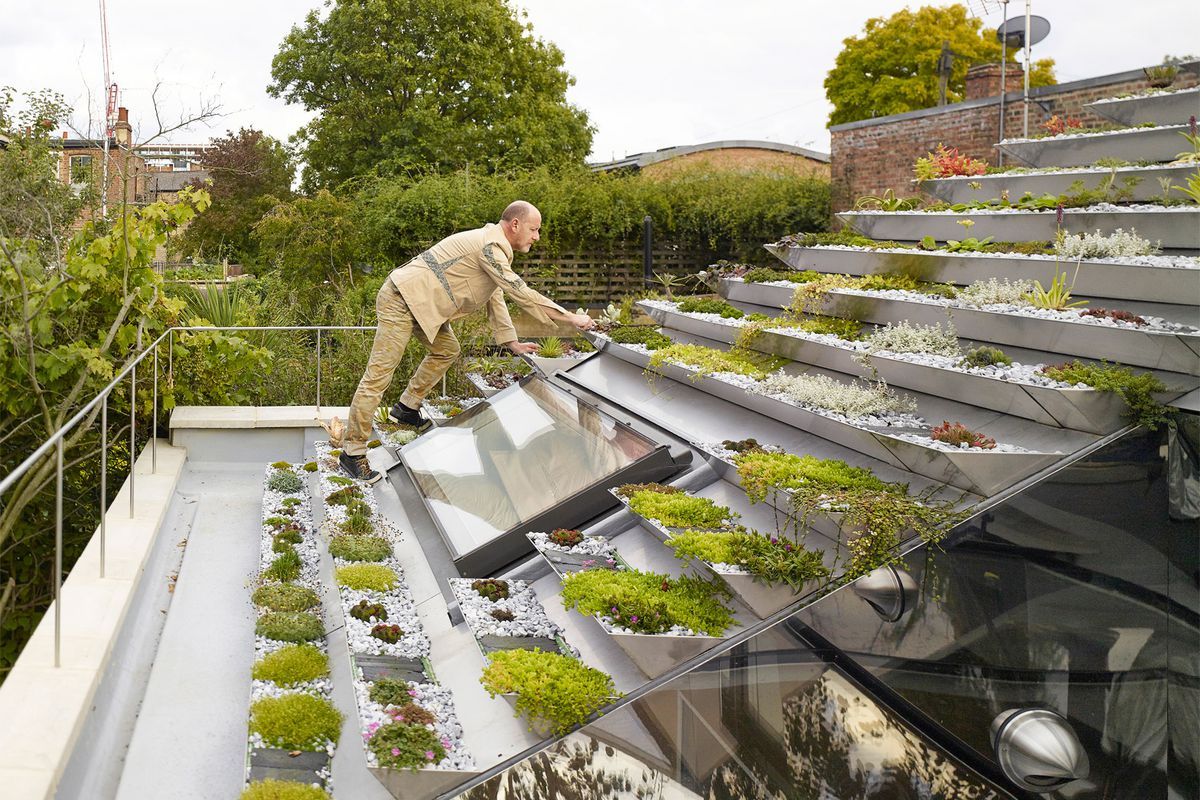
column 123, row 131
column 983, row 80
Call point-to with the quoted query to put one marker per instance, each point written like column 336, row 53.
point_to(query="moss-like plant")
column 286, row 566
column 491, row 588
column 290, row 626
column 360, row 548
column 358, row 523
column 368, row 611
column 628, row 490
column 681, row 510
column 551, row 689
column 282, row 465
column 276, row 522
column 290, row 502
column 646, row 335
column 707, row 360
column 343, row 496
column 296, row 721
column 370, row 577
column 390, row 692
column 771, row 559
column 649, row 602
column 502, row 615
column 371, row 445
column 387, row 633
column 356, row 506
column 985, row 357
column 765, row 275
column 761, row 472
column 285, row 540
column 404, row 746
column 707, row 305
column 285, row 597
column 1136, row 390
column 288, row 666
column 272, row 789
column 285, row 482
column 566, row 537
column 310, row 466
column 338, row 480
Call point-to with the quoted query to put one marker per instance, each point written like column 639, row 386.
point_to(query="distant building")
column 165, row 185
column 732, row 154
column 173, row 157
column 81, row 164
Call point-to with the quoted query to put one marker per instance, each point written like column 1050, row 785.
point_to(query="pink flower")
column 429, row 755
column 374, row 726
column 445, row 742
column 412, row 692
column 395, row 751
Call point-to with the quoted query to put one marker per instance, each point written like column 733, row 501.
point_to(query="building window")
column 179, row 163
column 81, row 169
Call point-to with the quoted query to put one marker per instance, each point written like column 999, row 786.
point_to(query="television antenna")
column 110, row 108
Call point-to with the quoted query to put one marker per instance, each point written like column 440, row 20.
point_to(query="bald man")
column 458, row 275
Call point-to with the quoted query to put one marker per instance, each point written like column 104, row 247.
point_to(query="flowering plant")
column 946, row 163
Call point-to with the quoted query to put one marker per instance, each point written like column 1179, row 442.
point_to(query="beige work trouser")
column 394, row 327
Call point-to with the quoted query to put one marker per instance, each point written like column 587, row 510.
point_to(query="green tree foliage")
column 892, row 66
column 249, row 172
column 403, row 84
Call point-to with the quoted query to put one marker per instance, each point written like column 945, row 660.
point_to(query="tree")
column 403, row 85
column 250, row 172
column 892, row 67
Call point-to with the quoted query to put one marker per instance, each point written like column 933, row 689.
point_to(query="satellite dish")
column 1014, row 31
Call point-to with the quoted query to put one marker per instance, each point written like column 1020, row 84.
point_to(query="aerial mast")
column 110, row 108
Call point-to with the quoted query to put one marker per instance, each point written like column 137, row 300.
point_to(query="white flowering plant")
column 904, row 337
column 996, row 290
column 851, row 400
column 1118, row 244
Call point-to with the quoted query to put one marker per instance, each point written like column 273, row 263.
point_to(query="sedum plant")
column 904, row 337
column 996, row 291
column 707, row 360
column 296, row 721
column 765, row 275
column 761, row 472
column 628, row 490
column 360, row 548
column 288, row 666
column 368, row 577
column 403, row 745
column 770, row 559
column 986, row 357
column 369, row 612
column 851, row 400
column 387, row 633
column 1137, row 390
column 491, row 588
column 566, row 537
column 390, row 692
column 709, row 305
column 290, row 626
column 651, row 337
column 680, row 510
column 271, row 789
column 551, row 688
column 285, row 597
column 648, row 602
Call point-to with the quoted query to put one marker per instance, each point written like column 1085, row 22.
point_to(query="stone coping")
column 254, row 416
column 43, row 707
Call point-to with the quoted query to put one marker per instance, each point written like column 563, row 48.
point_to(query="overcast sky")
column 650, row 73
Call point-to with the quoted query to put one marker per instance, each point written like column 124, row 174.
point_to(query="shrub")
column 852, row 400
column 680, row 510
column 632, row 597
column 760, row 472
column 285, row 597
column 285, row 483
column 707, row 360
column 957, row 434
column 708, row 305
column 564, row 537
column 290, row 626
column 774, row 560
column 986, row 357
column 904, row 337
column 285, row 567
column 271, row 789
column 995, row 290
column 387, row 633
column 491, row 588
column 360, row 548
column 551, row 688
column 368, row 611
column 295, row 721
column 651, row 337
column 1118, row 244
column 371, row 577
column 403, row 746
column 288, row 666
column 390, row 692
column 1136, row 390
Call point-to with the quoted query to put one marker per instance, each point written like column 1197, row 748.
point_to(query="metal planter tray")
column 1170, row 352
column 655, row 654
column 1147, row 187
column 980, row 472
column 549, row 366
column 406, row 783
column 1094, row 279
column 1079, row 409
column 1174, row 228
column 1162, row 109
column 477, row 382
column 558, row 567
column 1143, row 144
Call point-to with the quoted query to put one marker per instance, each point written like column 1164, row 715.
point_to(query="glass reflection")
column 514, row 456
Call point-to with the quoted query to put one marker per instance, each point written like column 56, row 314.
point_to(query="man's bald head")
column 519, row 210
column 522, row 225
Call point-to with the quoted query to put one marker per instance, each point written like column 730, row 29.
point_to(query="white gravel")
column 1098, row 208
column 529, row 617
column 1093, row 134
column 432, row 410
column 433, row 698
column 1169, row 262
column 1146, row 93
column 590, row 546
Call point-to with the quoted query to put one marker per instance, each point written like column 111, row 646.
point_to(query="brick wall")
column 871, row 156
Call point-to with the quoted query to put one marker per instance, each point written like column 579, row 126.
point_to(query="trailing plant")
column 368, row 577
column 985, row 357
column 402, row 745
column 492, row 589
column 1114, row 314
column 285, row 482
column 646, row 335
column 680, row 510
column 367, row 612
column 708, row 360
column 904, row 337
column 809, row 298
column 633, row 596
column 387, row 633
column 296, row 721
column 708, row 305
column 1118, row 244
column 271, row 789
column 360, row 548
column 996, row 291
column 761, row 472
column 565, row 537
column 285, row 597
column 551, row 689
column 290, row 626
column 1137, row 390
column 288, row 666
column 552, row 347
column 851, row 400
column 771, row 559
column 286, row 566
column 765, row 275
column 390, row 692
column 946, row 163
column 630, row 489
column 957, row 434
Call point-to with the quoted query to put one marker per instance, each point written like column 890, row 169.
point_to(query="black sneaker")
column 402, row 415
column 358, row 468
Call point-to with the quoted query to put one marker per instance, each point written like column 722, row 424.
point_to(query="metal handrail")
column 56, row 440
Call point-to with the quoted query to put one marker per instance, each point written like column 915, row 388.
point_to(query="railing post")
column 647, row 247
column 133, row 426
column 103, row 480
column 154, row 423
column 318, row 371
column 58, row 546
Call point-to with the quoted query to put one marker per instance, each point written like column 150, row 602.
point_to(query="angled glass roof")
column 514, row 456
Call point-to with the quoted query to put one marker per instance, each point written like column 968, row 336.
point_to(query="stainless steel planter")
column 1144, row 180
column 1174, row 227
column 1094, row 278
column 549, row 366
column 1079, row 409
column 407, row 783
column 480, row 385
column 1142, row 144
column 984, row 473
column 655, row 654
column 1161, row 109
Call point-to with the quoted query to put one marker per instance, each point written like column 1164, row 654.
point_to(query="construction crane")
column 110, row 109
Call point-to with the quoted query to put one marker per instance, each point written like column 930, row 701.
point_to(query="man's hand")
column 582, row 321
column 524, row 348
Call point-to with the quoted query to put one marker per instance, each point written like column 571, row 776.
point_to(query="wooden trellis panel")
column 591, row 278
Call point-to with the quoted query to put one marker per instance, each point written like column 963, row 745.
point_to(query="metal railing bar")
column 154, row 423
column 58, row 548
column 103, row 482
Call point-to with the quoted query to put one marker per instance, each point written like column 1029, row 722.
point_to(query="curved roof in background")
column 640, row 160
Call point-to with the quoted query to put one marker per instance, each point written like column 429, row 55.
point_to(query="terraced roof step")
column 1165, row 108
column 1142, row 183
column 1160, row 143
